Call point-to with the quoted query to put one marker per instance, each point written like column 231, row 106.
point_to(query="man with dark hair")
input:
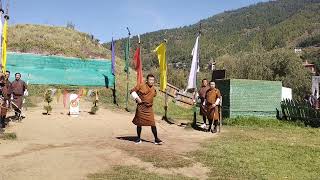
column 212, row 101
column 19, row 89
column 7, row 75
column 202, row 95
column 144, row 94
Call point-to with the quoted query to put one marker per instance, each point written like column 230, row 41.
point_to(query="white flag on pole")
column 192, row 82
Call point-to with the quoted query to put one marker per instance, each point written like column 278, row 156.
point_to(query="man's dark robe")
column 202, row 95
column 6, row 94
column 18, row 88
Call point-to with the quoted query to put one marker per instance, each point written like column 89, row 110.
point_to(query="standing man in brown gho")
column 202, row 96
column 212, row 100
column 144, row 94
column 6, row 97
column 19, row 89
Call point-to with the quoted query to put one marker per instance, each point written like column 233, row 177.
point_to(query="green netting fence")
column 243, row 97
column 57, row 70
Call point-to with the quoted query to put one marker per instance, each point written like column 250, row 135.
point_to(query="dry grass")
column 161, row 158
column 132, row 172
column 52, row 40
column 8, row 136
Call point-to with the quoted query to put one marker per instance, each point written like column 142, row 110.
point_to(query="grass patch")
column 158, row 157
column 132, row 172
column 263, row 153
column 260, row 122
column 165, row 160
column 31, row 101
column 8, row 136
column 174, row 111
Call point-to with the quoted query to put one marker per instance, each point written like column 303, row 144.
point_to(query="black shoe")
column 214, row 130
column 138, row 141
column 3, row 124
column 158, row 142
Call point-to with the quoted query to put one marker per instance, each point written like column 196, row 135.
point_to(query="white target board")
column 74, row 105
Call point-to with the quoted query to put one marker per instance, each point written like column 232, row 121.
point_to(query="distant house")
column 178, row 65
column 212, row 65
column 310, row 67
column 298, row 50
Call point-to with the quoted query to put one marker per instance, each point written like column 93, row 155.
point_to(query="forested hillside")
column 259, row 29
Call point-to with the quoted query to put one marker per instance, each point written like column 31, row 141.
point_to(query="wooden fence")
column 293, row 110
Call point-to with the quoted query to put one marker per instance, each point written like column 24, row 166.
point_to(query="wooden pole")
column 127, row 98
column 114, row 90
column 165, row 117
column 220, row 114
column 166, row 105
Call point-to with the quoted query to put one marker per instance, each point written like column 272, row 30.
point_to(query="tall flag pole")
column 161, row 52
column 127, row 55
column 4, row 39
column 138, row 62
column 192, row 81
column 113, row 61
column 1, row 13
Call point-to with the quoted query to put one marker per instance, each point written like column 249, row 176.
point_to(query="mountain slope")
column 52, row 40
column 260, row 27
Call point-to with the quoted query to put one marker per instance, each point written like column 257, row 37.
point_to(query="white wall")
column 286, row 93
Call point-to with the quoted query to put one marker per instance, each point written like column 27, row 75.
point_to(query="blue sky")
column 106, row 18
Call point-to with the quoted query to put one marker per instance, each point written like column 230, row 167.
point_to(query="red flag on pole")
column 138, row 66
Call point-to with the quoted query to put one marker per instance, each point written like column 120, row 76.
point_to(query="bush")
column 277, row 65
column 8, row 136
column 48, row 99
column 94, row 108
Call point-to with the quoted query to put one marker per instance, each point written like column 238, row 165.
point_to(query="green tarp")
column 57, row 70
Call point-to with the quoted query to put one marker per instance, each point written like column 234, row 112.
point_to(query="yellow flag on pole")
column 4, row 46
column 161, row 52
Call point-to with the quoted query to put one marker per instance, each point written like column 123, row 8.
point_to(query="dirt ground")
column 62, row 147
